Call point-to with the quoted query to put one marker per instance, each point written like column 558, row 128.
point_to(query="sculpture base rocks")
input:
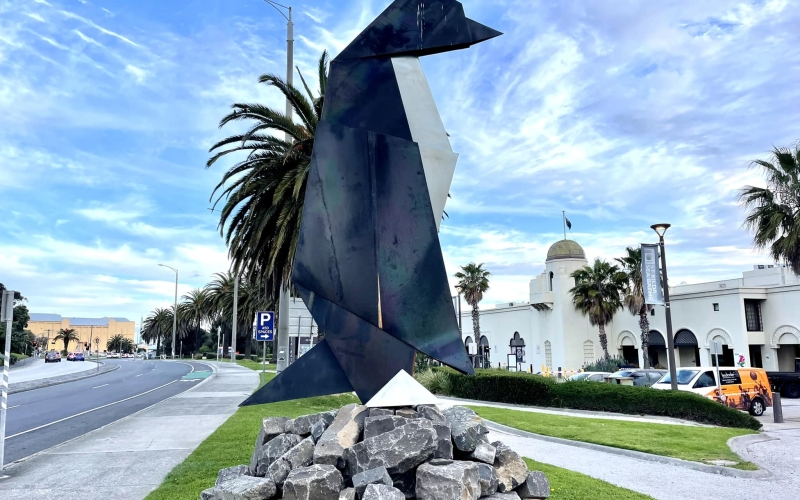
column 360, row 453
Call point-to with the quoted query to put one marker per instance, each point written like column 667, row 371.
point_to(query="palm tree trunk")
column 644, row 324
column 248, row 343
column 603, row 340
column 158, row 345
column 476, row 323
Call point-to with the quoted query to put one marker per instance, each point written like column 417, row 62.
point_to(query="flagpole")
column 564, row 220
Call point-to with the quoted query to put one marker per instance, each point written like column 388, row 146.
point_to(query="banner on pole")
column 651, row 277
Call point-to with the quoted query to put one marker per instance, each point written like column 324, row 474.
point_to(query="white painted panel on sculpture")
column 443, row 165
column 401, row 391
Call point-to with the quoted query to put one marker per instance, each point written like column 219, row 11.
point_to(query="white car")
column 113, row 355
column 589, row 376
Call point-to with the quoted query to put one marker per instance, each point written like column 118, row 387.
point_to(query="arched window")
column 588, row 352
column 548, row 355
column 551, row 281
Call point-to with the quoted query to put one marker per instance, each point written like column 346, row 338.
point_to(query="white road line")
column 99, row 386
column 11, row 407
column 140, row 375
column 88, row 411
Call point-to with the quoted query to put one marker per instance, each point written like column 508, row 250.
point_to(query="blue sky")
column 622, row 113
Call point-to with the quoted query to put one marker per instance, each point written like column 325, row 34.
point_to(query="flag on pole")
column 569, row 224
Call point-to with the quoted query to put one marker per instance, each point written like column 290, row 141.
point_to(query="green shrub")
column 611, row 365
column 534, row 390
column 64, row 353
column 12, row 359
column 239, row 356
column 438, row 382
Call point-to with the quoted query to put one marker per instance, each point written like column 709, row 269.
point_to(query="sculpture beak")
column 480, row 33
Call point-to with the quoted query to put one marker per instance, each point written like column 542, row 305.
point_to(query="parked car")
column 113, row 355
column 78, row 356
column 787, row 383
column 641, row 377
column 71, row 356
column 52, row 357
column 589, row 376
column 745, row 389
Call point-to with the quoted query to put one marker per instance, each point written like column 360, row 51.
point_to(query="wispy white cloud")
column 105, row 31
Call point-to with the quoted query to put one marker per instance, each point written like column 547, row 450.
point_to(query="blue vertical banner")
column 651, row 276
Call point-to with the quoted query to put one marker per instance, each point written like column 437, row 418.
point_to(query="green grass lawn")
column 698, row 444
column 568, row 485
column 19, row 356
column 253, row 365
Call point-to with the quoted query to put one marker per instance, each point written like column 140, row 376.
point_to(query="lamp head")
column 660, row 229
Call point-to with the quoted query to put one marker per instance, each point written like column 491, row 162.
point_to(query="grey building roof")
column 45, row 317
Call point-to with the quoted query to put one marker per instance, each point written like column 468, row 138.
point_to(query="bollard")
column 777, row 409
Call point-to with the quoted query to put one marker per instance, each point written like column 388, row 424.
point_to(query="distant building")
column 756, row 318
column 88, row 329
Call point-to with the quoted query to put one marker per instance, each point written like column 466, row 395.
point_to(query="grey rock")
column 398, row 450
column 241, row 488
column 317, row 482
column 406, row 413
column 232, row 473
column 488, row 479
column 378, row 425
column 300, row 455
column 406, row 483
column 278, row 471
column 273, row 450
column 503, row 496
column 347, row 494
column 302, row 425
column 440, row 461
column 484, row 452
column 382, row 492
column 511, row 470
column 341, row 434
column 431, row 412
column 380, row 412
column 372, row 476
column 458, row 480
column 317, row 429
column 270, row 428
column 466, row 427
column 535, row 485
column 444, row 441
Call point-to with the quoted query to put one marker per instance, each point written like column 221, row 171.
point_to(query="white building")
column 756, row 317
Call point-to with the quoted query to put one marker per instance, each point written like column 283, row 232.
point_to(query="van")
column 745, row 389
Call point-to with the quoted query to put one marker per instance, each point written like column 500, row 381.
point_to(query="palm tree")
column 67, row 335
column 115, row 342
column 473, row 282
column 634, row 296
column 773, row 212
column 193, row 310
column 263, row 194
column 597, row 294
column 157, row 326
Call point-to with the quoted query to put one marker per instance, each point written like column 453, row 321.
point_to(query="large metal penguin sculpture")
column 368, row 264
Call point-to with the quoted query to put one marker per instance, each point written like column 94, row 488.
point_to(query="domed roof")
column 565, row 249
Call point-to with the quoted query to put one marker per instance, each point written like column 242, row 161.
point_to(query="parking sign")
column 265, row 326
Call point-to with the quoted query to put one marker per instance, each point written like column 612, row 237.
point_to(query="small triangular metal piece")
column 402, row 390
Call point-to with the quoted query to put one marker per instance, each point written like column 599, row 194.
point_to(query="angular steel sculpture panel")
column 368, row 264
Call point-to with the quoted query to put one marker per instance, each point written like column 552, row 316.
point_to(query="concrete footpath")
column 130, row 457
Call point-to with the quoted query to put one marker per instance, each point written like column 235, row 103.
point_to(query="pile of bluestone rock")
column 379, row 454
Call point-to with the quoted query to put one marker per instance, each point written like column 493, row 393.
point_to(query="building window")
column 752, row 314
column 652, row 312
column 716, row 307
column 548, row 355
column 588, row 352
column 551, row 281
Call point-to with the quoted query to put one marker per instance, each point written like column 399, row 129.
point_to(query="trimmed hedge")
column 533, row 390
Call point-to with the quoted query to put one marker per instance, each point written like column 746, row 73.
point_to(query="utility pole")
column 283, row 301
column 235, row 310
column 174, row 311
column 7, row 315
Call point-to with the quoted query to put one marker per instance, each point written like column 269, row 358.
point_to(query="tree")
column 633, row 297
column 263, row 194
column 157, row 326
column 193, row 311
column 773, row 212
column 473, row 282
column 119, row 343
column 67, row 335
column 597, row 294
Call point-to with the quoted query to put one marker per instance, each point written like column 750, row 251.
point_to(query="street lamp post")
column 175, row 311
column 285, row 297
column 660, row 229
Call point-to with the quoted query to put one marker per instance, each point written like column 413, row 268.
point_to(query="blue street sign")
column 265, row 326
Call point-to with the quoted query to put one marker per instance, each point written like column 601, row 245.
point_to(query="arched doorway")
column 517, row 346
column 657, row 350
column 548, row 355
column 628, row 348
column 786, row 342
column 688, row 350
column 484, row 353
column 471, row 347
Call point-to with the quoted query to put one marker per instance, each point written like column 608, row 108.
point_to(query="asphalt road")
column 42, row 418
